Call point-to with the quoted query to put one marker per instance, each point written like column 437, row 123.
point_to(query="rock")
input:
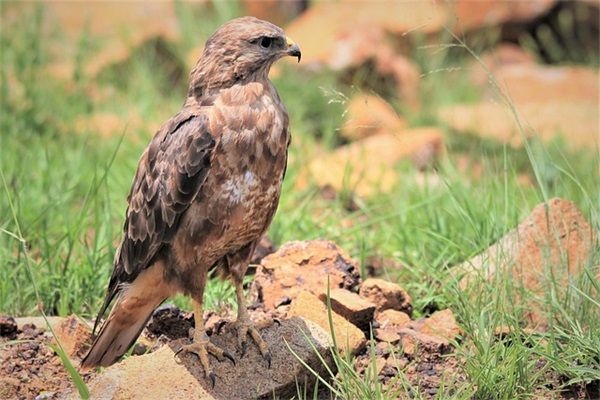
column 501, row 56
column 348, row 337
column 550, row 102
column 430, row 335
column 386, row 295
column 74, row 336
column 183, row 377
column 330, row 32
column 38, row 322
column 393, row 317
column 389, row 323
column 8, row 326
column 553, row 243
column 367, row 115
column 366, row 167
column 121, row 25
column 441, row 323
column 473, row 16
column 352, row 307
column 303, row 266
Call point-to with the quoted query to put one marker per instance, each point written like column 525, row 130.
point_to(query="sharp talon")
column 226, row 354
column 178, row 351
column 220, row 326
column 268, row 358
column 277, row 321
column 243, row 349
column 211, row 375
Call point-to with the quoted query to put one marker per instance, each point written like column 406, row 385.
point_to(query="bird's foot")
column 201, row 347
column 246, row 327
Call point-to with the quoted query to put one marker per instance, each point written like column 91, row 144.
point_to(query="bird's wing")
column 170, row 174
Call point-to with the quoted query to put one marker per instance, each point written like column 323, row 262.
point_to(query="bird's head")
column 240, row 50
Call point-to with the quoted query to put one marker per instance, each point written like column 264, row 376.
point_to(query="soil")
column 29, row 369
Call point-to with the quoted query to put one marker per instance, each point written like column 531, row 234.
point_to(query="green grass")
column 64, row 196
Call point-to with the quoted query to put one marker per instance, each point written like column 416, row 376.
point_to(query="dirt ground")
column 31, row 370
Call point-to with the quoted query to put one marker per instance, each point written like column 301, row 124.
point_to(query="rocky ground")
column 291, row 287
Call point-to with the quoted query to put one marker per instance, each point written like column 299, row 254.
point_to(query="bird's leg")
column 245, row 325
column 201, row 346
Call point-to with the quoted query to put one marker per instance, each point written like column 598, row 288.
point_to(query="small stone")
column 348, row 337
column 8, row 326
column 386, row 295
column 351, row 306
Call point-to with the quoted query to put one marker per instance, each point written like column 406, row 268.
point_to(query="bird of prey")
column 205, row 191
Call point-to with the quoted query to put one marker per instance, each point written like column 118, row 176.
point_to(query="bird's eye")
column 265, row 42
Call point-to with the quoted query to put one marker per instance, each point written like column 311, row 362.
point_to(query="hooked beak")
column 293, row 50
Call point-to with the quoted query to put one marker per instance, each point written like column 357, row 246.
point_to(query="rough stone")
column 352, row 307
column 386, row 295
column 553, row 243
column 8, row 326
column 430, row 335
column 389, row 323
column 442, row 323
column 73, row 335
column 183, row 377
column 303, row 266
column 348, row 337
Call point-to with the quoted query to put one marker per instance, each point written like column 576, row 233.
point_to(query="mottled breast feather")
column 170, row 174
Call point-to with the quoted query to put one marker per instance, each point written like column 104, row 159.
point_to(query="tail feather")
column 128, row 317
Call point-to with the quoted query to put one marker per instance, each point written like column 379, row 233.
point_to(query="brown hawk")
column 205, row 191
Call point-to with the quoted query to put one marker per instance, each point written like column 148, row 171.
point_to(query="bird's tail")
column 129, row 315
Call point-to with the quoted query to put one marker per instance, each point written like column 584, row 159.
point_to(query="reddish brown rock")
column 469, row 15
column 352, row 307
column 553, row 244
column 441, row 323
column 74, row 336
column 348, row 337
column 390, row 322
column 430, row 335
column 386, row 295
column 303, row 266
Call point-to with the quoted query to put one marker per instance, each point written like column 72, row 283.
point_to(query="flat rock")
column 303, row 266
column 386, row 295
column 161, row 375
column 352, row 307
column 348, row 337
